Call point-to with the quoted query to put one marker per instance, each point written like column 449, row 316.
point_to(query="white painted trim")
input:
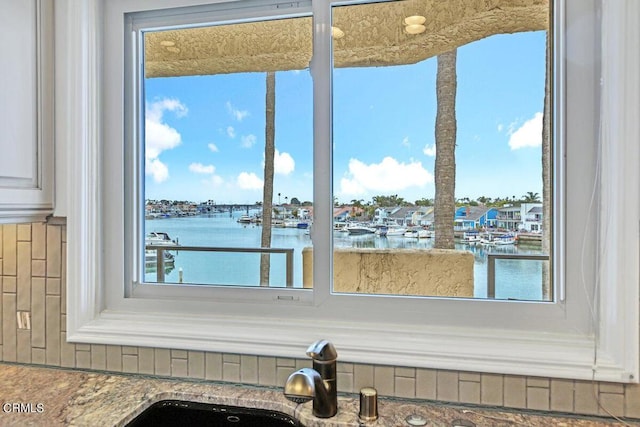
column 432, row 333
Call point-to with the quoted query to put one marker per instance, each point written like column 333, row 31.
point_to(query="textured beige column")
column 423, row 272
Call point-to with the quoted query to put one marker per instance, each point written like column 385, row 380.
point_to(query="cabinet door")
column 26, row 110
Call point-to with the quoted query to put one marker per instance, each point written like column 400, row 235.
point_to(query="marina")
column 515, row 279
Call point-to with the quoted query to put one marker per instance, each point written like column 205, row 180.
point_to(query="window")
column 561, row 335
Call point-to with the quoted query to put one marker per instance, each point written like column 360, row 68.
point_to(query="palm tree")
column 267, row 191
column 445, row 162
column 546, row 176
column 531, row 197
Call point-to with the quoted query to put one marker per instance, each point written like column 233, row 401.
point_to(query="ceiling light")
column 337, row 33
column 415, row 28
column 167, row 43
column 415, row 20
column 173, row 49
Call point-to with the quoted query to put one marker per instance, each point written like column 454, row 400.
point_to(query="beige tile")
column 612, row 404
column 230, row 370
column 179, row 354
column 38, row 356
column 561, row 395
column 162, row 361
column 426, row 383
column 83, row 347
column 249, row 369
column 405, row 387
column 9, row 327
column 230, row 358
column 146, row 360
column 99, row 356
column 9, row 250
column 196, row 364
column 447, row 386
column 632, row 400
column 537, row 382
column 469, row 376
column 83, row 359
column 282, row 373
column 63, row 320
column 62, row 285
column 405, row 372
column 24, row 232
column 491, row 389
column 53, row 286
column 130, row 363
column 68, row 353
column 383, row 380
column 23, row 279
column 611, row 388
column 38, row 241
column 362, row 376
column 23, row 351
column 585, row 400
column 1, row 240
column 129, row 350
column 213, row 366
column 267, row 371
column 470, row 392
column 38, row 312
column 283, row 362
column 9, row 284
column 179, row 368
column 114, row 358
column 346, row 368
column 515, row 392
column 52, row 328
column 38, row 268
column 54, row 246
column 345, row 382
column 304, row 363
column 538, row 398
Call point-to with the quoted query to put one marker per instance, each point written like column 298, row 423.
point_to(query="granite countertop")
column 57, row 397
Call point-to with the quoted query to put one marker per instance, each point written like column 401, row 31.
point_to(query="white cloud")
column 200, row 168
column 159, row 136
column 231, row 132
column 500, row 127
column 429, row 150
column 248, row 140
column 405, row 141
column 213, row 147
column 239, row 115
column 283, row 163
column 528, row 135
column 157, row 170
column 249, row 181
column 213, row 181
column 388, row 175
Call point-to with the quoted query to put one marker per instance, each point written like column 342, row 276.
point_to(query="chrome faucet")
column 318, row 383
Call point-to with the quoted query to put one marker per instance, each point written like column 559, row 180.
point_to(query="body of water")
column 515, row 279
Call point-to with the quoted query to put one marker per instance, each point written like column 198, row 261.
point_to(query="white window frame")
column 562, row 339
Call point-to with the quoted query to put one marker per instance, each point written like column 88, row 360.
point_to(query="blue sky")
column 205, row 134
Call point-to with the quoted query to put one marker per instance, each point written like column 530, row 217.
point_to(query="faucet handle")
column 322, row 351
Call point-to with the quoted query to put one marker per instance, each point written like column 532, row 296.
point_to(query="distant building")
column 474, row 217
column 521, row 217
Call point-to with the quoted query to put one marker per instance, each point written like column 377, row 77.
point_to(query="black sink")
column 169, row 413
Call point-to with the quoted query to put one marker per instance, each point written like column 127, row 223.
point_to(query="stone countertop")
column 39, row 396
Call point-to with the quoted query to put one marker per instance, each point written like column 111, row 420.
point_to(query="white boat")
column 396, row 231
column 490, row 239
column 418, row 233
column 471, row 237
column 358, row 230
column 151, row 257
column 159, row 238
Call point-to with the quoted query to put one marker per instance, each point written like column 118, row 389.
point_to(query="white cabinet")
column 26, row 110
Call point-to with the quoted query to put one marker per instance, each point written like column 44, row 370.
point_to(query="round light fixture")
column 167, row 43
column 415, row 28
column 337, row 33
column 415, row 20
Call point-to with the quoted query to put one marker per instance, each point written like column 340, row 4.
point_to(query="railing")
column 160, row 250
column 491, row 268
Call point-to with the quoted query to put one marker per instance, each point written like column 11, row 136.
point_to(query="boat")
column 358, row 230
column 396, row 231
column 417, row 233
column 490, row 239
column 151, row 257
column 159, row 238
column 244, row 219
column 471, row 237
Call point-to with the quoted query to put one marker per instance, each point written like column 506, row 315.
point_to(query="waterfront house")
column 474, row 217
column 521, row 217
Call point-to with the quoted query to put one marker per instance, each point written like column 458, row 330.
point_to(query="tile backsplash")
column 33, row 294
